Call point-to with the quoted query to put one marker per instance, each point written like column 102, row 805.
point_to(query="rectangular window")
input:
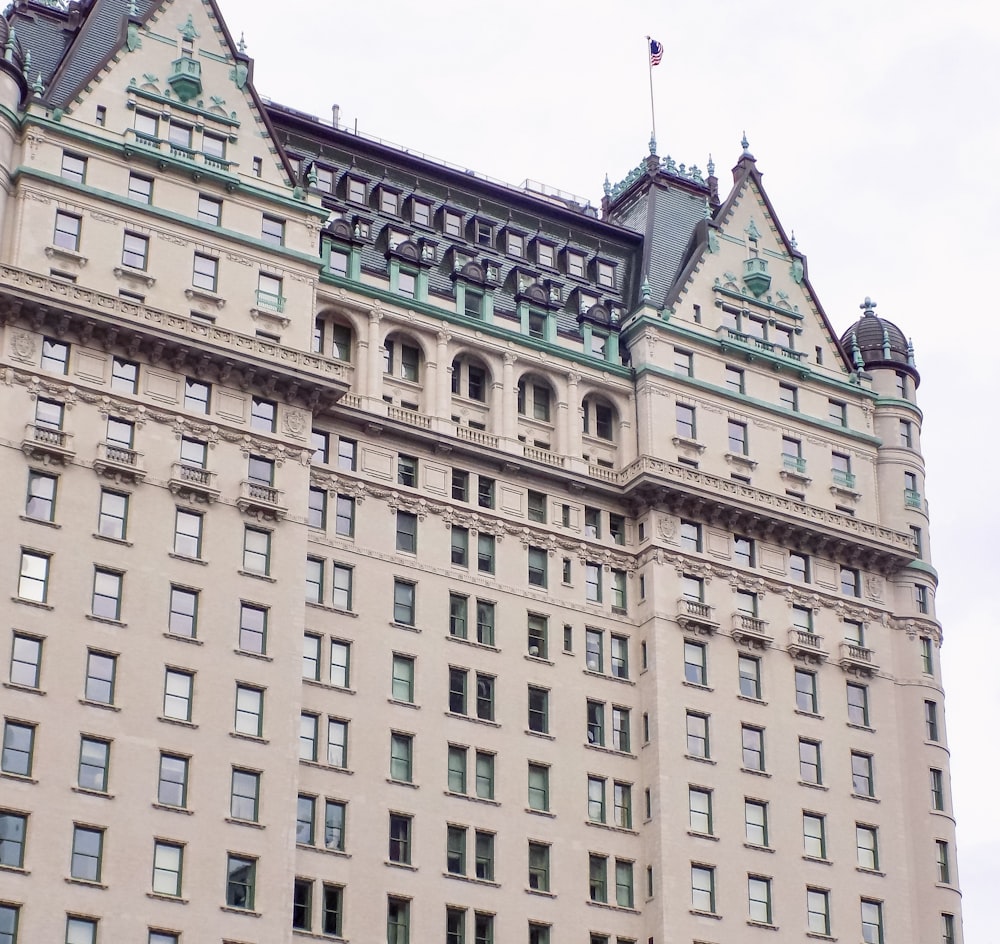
column 749, row 669
column 205, row 274
column 333, row 910
column 703, row 888
column 457, row 768
column 538, row 787
column 788, row 397
column 244, row 795
column 806, row 695
column 695, row 664
column 73, row 168
column 401, row 757
column 931, row 721
column 486, row 492
column 305, row 820
column 737, row 438
column 598, row 878
column 857, row 704
column 66, row 236
column 810, row 769
column 906, row 433
column 25, row 661
column 871, row 922
column 690, row 536
column 624, row 892
column 814, row 835
column 456, row 850
column 406, row 471
column 619, row 656
column 209, row 210
column 92, row 772
column 12, row 830
column 81, row 930
column 818, row 911
column 249, row 718
column 536, row 506
column 485, row 843
column 315, row 578
column 538, row 866
column 177, row 693
column 18, row 752
column 685, row 421
column 33, row 583
column 316, row 513
column 755, row 816
column 700, row 810
column 404, row 602
column 40, row 503
column 336, row 743
column 735, row 379
column 257, row 551
column 88, row 848
column 345, row 516
column 486, row 553
column 241, row 881
column 538, row 709
column 537, row 567
column 188, row 533
column 485, row 774
column 302, row 892
column 753, row 748
column 398, row 921
column 135, row 251
column 850, row 582
column 867, row 843
column 593, row 582
column 168, row 861
column 837, row 412
column 744, row 551
column 406, row 532
column 485, row 696
column 948, row 929
column 49, row 414
column 263, row 414
column 402, row 678
column 937, row 789
column 112, row 518
column 759, row 898
column 596, row 807
column 595, row 723
column 697, row 735
column 862, row 774
column 798, row 567
column 623, row 805
column 334, row 825
column 100, row 682
column 140, row 188
column 273, row 231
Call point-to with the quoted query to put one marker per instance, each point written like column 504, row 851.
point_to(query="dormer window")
column 388, row 201
column 420, row 212
column 598, row 345
column 407, row 286
column 575, row 264
column 397, row 238
column 586, row 301
column 324, row 179
column 452, row 223
column 606, row 274
column 484, row 233
column 515, row 245
column 473, row 303
column 536, row 325
column 546, row 253
column 357, row 190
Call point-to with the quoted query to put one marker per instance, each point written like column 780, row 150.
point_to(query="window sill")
column 697, row 685
column 752, row 700
column 110, row 540
column 172, row 809
column 85, row 882
column 544, row 735
column 129, row 273
column 256, row 576
column 542, row 660
column 486, row 721
column 191, row 560
column 607, row 906
column 323, row 849
column 471, row 880
column 339, row 610
column 809, row 714
column 614, row 829
column 759, row 848
column 204, row 295
column 190, row 640
column 610, row 750
column 705, row 914
column 866, row 798
column 396, row 701
column 178, row 721
column 403, row 783
column 475, row 799
column 698, row 835
column 48, row 524
column 159, row 896
column 245, row 822
column 542, row 893
column 38, row 603
column 473, row 642
column 98, row 704
column 24, row 688
column 864, row 871
column 254, row 655
column 249, row 912
column 87, row 791
column 818, row 860
column 319, row 766
column 756, row 773
column 401, row 865
column 546, row 813
column 17, row 869
column 329, row 686
column 816, row 936
column 812, row 786
column 241, row 736
column 860, row 727
column 766, row 925
column 106, row 620
column 20, row 778
column 701, row 760
column 410, row 628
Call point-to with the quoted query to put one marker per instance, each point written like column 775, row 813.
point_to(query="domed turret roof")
column 873, row 342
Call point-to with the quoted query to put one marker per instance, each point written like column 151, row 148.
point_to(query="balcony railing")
column 47, row 443
column 857, row 660
column 410, row 417
column 119, row 462
column 544, row 455
column 192, row 481
column 794, row 464
column 912, row 498
column 696, row 616
column 843, row 479
column 806, row 645
column 270, row 301
column 751, row 630
column 749, row 340
column 261, row 501
column 477, row 436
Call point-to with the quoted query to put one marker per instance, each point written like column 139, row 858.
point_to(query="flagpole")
column 649, row 61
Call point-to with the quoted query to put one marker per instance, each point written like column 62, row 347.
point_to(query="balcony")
column 261, row 501
column 794, row 464
column 913, row 499
column 47, row 444
column 751, row 631
column 118, row 462
column 185, row 77
column 844, row 479
column 194, row 482
column 806, row 646
column 857, row 660
column 268, row 301
column 696, row 617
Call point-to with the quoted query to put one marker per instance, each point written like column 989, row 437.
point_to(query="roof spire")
column 868, row 307
column 607, row 187
column 652, row 145
column 711, row 166
column 794, row 241
column 242, row 44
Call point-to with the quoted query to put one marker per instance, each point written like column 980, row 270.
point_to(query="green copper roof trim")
column 244, row 184
column 216, row 57
column 760, row 303
column 896, row 401
column 924, row 568
column 493, row 330
column 160, row 38
column 135, row 209
column 181, row 106
column 844, row 431
column 636, row 322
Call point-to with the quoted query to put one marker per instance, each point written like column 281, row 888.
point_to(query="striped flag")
column 655, row 52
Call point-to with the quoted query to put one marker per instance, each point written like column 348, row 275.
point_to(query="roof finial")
column 133, row 10
column 607, row 185
column 8, row 49
column 38, row 87
column 909, row 353
column 886, row 348
column 645, row 290
column 242, row 45
column 711, row 166
column 868, row 307
column 652, row 145
column 859, row 361
column 745, row 144
column 794, row 241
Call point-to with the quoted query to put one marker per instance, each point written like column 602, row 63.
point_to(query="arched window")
column 401, row 359
column 469, row 379
column 333, row 337
column 534, row 400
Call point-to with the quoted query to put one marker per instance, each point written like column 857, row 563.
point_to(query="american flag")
column 655, row 52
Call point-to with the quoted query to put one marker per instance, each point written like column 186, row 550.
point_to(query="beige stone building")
column 395, row 555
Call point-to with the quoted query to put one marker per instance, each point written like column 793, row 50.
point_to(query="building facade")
column 400, row 555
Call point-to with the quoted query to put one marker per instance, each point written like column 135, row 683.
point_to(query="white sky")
column 871, row 122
